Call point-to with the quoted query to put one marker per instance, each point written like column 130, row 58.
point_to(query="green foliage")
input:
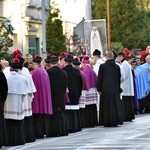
column 100, row 9
column 55, row 39
column 129, row 21
column 7, row 56
column 116, row 47
column 5, row 39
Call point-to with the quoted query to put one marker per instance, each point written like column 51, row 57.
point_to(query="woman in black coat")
column 3, row 96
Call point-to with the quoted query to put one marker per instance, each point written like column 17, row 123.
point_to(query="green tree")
column 5, row 37
column 129, row 21
column 116, row 47
column 100, row 9
column 55, row 39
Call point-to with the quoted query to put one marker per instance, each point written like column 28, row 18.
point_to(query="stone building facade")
column 26, row 19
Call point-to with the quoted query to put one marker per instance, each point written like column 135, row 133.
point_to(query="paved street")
column 133, row 135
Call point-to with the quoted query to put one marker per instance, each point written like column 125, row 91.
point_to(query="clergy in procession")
column 61, row 61
column 47, row 64
column 142, row 73
column 97, row 61
column 14, row 54
column 57, row 122
column 28, row 120
column 42, row 101
column 91, row 119
column 135, row 98
column 74, row 93
column 127, row 87
column 82, row 101
column 3, row 96
column 13, row 108
column 109, row 88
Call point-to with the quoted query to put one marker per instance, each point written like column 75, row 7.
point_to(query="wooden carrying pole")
column 108, row 26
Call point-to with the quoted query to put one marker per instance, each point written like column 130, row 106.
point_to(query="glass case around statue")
column 95, row 36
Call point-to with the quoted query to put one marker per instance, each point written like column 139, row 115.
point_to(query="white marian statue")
column 95, row 41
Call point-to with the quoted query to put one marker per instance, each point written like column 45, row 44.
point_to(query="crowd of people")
column 63, row 94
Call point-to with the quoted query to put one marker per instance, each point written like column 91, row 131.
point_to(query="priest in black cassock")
column 57, row 122
column 3, row 95
column 108, row 85
column 74, row 93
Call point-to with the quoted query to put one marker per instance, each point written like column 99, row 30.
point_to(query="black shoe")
column 114, row 125
column 136, row 112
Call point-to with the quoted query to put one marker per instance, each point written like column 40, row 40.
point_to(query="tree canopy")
column 6, row 32
column 55, row 39
column 129, row 21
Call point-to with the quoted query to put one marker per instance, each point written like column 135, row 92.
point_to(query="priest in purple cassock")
column 135, row 99
column 91, row 97
column 42, row 101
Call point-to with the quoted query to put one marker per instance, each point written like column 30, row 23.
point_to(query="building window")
column 34, row 45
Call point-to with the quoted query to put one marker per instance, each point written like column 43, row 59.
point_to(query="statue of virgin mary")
column 95, row 41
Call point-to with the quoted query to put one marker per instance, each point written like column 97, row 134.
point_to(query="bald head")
column 110, row 55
